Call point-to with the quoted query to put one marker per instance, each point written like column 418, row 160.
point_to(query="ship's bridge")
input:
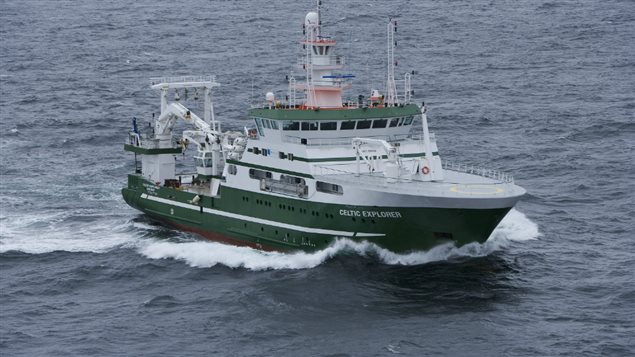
column 289, row 124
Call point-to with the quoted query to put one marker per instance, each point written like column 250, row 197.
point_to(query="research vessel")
column 313, row 167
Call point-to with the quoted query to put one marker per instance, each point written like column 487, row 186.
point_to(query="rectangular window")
column 379, row 123
column 408, row 120
column 292, row 180
column 364, row 124
column 274, row 125
column 259, row 126
column 347, row 125
column 259, row 174
column 394, row 122
column 266, row 123
column 291, row 125
column 328, row 188
column 400, row 122
column 309, row 125
column 329, row 125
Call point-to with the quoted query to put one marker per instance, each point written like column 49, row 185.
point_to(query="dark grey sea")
column 541, row 89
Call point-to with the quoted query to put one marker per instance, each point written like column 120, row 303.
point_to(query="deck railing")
column 183, row 79
column 477, row 170
column 348, row 141
column 447, row 165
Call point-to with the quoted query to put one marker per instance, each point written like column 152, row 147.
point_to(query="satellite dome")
column 311, row 18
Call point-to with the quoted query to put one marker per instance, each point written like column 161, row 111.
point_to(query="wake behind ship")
column 315, row 167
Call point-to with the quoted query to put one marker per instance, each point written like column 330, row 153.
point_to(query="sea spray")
column 515, row 227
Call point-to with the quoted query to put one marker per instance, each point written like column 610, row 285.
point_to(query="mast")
column 323, row 88
column 391, row 88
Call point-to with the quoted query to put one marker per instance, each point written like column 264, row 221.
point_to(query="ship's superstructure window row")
column 337, row 125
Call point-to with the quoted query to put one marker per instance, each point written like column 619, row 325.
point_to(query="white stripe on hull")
column 260, row 220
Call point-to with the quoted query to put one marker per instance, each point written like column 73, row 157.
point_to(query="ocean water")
column 542, row 89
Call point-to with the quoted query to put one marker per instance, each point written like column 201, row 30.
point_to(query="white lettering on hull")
column 370, row 214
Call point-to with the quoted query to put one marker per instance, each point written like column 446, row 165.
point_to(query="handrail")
column 503, row 178
column 331, row 60
column 134, row 139
column 477, row 170
column 347, row 140
column 183, row 79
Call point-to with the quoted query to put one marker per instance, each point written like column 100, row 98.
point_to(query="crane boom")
column 167, row 119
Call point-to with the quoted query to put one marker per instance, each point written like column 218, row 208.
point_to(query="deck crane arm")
column 174, row 111
column 390, row 150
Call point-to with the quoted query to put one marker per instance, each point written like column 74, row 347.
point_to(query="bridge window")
column 408, row 120
column 364, row 124
column 329, row 188
column 329, row 125
column 394, row 122
column 259, row 126
column 266, row 123
column 274, row 125
column 379, row 123
column 309, row 125
column 291, row 125
column 347, row 125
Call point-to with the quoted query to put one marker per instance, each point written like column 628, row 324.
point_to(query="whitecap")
column 49, row 232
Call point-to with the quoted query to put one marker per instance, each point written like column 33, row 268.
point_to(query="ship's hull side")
column 266, row 221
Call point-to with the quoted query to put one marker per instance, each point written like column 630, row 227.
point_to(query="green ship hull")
column 270, row 222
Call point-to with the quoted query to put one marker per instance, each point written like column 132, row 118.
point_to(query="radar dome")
column 311, row 18
column 270, row 97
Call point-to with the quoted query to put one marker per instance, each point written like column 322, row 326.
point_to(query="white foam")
column 515, row 227
column 45, row 233
column 202, row 254
column 37, row 234
column 208, row 254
